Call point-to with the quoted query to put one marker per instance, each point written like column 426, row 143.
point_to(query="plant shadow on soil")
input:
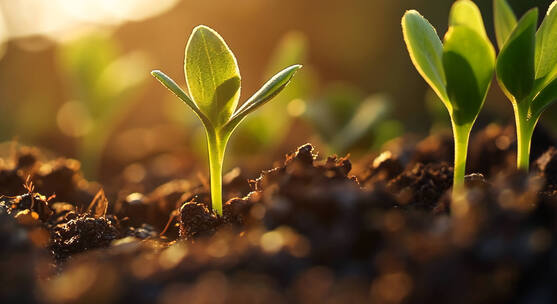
column 383, row 230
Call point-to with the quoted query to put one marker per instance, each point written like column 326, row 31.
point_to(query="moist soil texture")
column 315, row 229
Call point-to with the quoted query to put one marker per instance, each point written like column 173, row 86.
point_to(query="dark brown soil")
column 306, row 231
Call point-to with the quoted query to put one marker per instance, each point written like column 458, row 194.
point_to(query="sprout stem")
column 461, row 135
column 525, row 126
column 90, row 151
column 216, row 144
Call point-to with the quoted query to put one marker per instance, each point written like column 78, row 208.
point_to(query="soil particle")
column 154, row 208
column 81, row 233
column 61, row 211
column 422, row 186
column 63, row 178
column 236, row 211
column 299, row 171
column 197, row 220
column 34, row 201
column 143, row 232
column 546, row 165
column 157, row 207
column 475, row 180
column 382, row 169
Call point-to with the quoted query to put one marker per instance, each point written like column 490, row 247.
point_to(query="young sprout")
column 213, row 81
column 348, row 120
column 104, row 83
column 459, row 70
column 526, row 68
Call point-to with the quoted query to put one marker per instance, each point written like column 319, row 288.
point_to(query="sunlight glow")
column 58, row 19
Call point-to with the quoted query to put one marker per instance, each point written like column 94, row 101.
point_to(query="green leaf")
column 425, row 50
column 504, row 20
column 469, row 62
column 370, row 112
column 546, row 44
column 544, row 99
column 466, row 13
column 265, row 128
column 174, row 88
column 269, row 90
column 212, row 75
column 515, row 64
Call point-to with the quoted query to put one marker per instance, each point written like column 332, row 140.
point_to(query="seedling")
column 103, row 82
column 526, row 68
column 213, row 81
column 346, row 119
column 459, row 70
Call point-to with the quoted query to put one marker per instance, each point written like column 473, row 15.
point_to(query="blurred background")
column 74, row 79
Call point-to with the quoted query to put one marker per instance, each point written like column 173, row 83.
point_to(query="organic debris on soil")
column 305, row 232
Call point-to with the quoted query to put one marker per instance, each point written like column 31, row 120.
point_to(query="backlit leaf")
column 504, row 20
column 515, row 64
column 269, row 90
column 425, row 50
column 212, row 75
column 544, row 99
column 174, row 88
column 546, row 44
column 469, row 61
column 466, row 13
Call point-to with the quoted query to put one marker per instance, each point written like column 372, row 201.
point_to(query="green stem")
column 90, row 152
column 216, row 143
column 525, row 126
column 461, row 135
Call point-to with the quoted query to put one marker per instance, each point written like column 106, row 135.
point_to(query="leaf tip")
column 535, row 12
column 411, row 12
column 297, row 67
column 202, row 27
column 292, row 70
column 408, row 13
column 551, row 7
column 204, row 30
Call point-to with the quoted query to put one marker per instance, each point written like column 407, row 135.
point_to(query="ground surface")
column 313, row 230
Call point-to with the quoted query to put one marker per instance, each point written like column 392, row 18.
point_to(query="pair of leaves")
column 461, row 69
column 214, row 82
column 527, row 63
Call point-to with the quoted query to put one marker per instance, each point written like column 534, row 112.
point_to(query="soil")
column 307, row 231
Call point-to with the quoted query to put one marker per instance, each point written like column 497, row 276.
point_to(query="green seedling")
column 459, row 70
column 347, row 119
column 104, row 83
column 526, row 68
column 213, row 81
